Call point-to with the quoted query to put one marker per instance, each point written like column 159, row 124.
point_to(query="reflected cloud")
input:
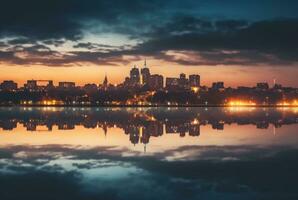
column 225, row 171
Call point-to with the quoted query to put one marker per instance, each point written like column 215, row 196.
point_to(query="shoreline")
column 160, row 105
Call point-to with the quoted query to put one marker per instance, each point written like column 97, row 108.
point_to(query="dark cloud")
column 227, row 42
column 160, row 29
column 58, row 19
column 254, row 172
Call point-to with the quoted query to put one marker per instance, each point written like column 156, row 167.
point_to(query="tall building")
column 145, row 74
column 105, row 83
column 8, row 86
column 194, row 80
column 31, row 85
column 172, row 83
column 135, row 76
column 182, row 76
column 155, row 82
column 183, row 81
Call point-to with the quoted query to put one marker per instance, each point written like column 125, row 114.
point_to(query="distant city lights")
column 241, row 103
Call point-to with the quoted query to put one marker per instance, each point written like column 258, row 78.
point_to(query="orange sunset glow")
column 247, row 76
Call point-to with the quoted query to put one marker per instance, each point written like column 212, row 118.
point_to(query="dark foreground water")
column 148, row 153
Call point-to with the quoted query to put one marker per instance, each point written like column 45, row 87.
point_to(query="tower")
column 145, row 72
column 134, row 76
column 105, row 82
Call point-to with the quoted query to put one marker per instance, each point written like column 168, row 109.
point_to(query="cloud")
column 183, row 33
column 227, row 42
column 252, row 171
column 57, row 19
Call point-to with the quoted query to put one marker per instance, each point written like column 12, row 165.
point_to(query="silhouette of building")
column 67, row 85
column 31, row 85
column 134, row 134
column 50, row 85
column 155, row 82
column 8, row 86
column 194, row 130
column 145, row 74
column 134, row 76
column 105, row 81
column 172, row 83
column 218, row 85
column 194, row 80
column 90, row 88
column 218, row 125
column 153, row 129
column 263, row 86
column 183, row 81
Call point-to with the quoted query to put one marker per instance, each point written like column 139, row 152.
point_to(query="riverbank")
column 155, row 105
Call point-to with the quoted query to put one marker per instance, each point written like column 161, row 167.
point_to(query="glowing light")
column 286, row 103
column 240, row 109
column 241, row 103
column 195, row 89
column 50, row 102
column 195, row 122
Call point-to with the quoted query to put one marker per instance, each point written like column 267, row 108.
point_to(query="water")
column 148, row 153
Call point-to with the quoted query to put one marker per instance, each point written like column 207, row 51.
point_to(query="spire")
column 105, row 81
column 145, row 63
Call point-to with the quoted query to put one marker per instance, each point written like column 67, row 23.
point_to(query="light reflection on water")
column 148, row 153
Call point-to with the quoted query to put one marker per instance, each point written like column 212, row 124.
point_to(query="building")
column 263, row 86
column 126, row 82
column 172, row 83
column 8, row 86
column 153, row 129
column 67, row 85
column 218, row 85
column 194, row 80
column 145, row 74
column 31, row 85
column 50, row 85
column 155, row 82
column 183, row 81
column 134, row 76
column 105, row 83
column 194, row 130
column 90, row 88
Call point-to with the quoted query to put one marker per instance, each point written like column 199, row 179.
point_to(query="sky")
column 240, row 42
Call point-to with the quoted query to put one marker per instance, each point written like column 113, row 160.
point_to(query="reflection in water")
column 141, row 124
column 192, row 153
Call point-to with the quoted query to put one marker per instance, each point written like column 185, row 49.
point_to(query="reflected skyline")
column 141, row 128
column 156, row 153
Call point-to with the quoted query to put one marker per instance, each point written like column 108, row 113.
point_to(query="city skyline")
column 271, row 81
column 141, row 87
column 81, row 42
column 139, row 74
column 247, row 76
